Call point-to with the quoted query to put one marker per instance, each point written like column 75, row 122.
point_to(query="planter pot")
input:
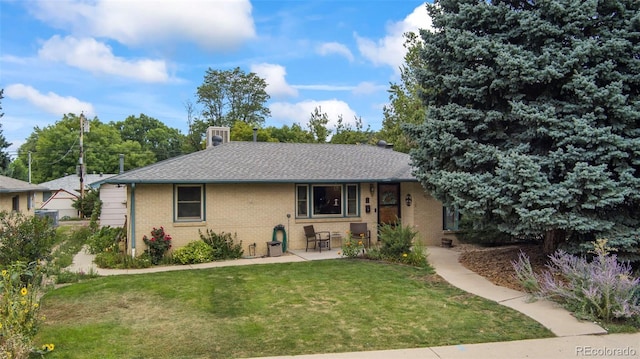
column 447, row 243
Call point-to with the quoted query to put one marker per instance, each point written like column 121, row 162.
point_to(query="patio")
column 315, row 254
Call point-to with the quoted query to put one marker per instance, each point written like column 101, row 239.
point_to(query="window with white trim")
column 327, row 200
column 189, row 203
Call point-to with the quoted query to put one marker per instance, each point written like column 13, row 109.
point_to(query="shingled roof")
column 71, row 183
column 12, row 185
column 261, row 162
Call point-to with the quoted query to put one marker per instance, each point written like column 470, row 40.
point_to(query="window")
column 15, row 203
column 46, row 195
column 450, row 218
column 189, row 203
column 302, row 208
column 327, row 200
column 333, row 200
column 352, row 200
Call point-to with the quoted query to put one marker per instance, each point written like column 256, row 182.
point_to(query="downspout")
column 133, row 220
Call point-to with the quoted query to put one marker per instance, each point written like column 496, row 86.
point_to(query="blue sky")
column 116, row 58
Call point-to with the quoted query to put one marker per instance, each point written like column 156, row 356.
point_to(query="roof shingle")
column 259, row 162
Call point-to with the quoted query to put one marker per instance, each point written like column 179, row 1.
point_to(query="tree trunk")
column 552, row 239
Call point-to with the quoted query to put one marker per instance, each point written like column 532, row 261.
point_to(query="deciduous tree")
column 233, row 95
column 533, row 121
column 153, row 135
column 405, row 102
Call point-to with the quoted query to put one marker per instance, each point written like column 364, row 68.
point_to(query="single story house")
column 62, row 192
column 18, row 196
column 249, row 188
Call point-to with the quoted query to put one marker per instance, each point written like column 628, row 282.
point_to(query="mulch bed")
column 495, row 263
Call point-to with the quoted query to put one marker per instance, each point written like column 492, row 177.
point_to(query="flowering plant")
column 351, row 247
column 157, row 245
column 19, row 310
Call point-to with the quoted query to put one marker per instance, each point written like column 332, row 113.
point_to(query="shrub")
column 194, row 252
column 88, row 203
column 351, row 247
column 601, row 289
column 115, row 260
column 157, row 245
column 106, row 239
column 396, row 239
column 24, row 238
column 19, row 307
column 416, row 257
column 223, row 244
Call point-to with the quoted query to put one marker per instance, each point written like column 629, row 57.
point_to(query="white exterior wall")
column 114, row 205
column 61, row 201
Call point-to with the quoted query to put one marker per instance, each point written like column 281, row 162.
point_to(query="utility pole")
column 81, row 160
column 29, row 166
column 84, row 127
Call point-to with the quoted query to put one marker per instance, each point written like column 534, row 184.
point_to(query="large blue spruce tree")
column 533, row 117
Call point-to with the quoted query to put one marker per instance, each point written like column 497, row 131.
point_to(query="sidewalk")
column 549, row 314
column 575, row 339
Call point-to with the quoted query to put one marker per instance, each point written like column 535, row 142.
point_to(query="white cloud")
column 328, row 48
column 89, row 54
column 49, row 102
column 274, row 75
column 320, row 87
column 216, row 25
column 300, row 112
column 390, row 50
column 367, row 88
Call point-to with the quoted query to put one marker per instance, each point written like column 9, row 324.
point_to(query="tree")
column 346, row 134
column 4, row 156
column 55, row 149
column 293, row 134
column 533, row 121
column 405, row 105
column 153, row 135
column 233, row 95
column 318, row 125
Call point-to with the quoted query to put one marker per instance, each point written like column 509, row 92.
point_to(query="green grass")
column 277, row 309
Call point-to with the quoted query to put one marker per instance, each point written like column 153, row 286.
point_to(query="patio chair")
column 359, row 230
column 324, row 237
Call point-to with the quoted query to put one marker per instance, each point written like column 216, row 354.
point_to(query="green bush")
column 115, row 260
column 88, row 203
column 19, row 307
column 396, row 239
column 105, row 239
column 194, row 252
column 223, row 244
column 352, row 247
column 157, row 245
column 398, row 245
column 24, row 238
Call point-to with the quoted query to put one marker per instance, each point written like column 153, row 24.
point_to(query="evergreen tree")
column 4, row 155
column 533, row 122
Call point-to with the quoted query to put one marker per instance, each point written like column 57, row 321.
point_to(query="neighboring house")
column 248, row 188
column 18, row 196
column 62, row 192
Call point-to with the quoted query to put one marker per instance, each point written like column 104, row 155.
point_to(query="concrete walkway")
column 549, row 314
column 575, row 339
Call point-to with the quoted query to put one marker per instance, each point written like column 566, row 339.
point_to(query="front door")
column 388, row 203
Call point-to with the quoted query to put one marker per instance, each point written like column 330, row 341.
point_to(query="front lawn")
column 276, row 309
